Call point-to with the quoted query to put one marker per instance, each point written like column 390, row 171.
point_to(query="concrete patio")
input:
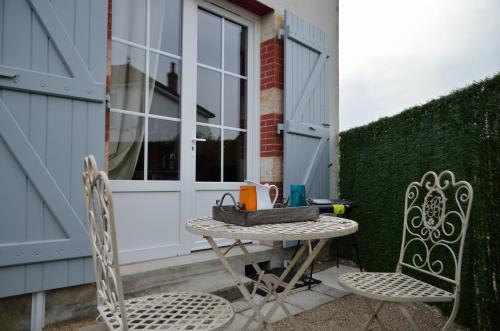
column 325, row 307
column 301, row 300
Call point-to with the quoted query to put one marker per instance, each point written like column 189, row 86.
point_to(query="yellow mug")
column 338, row 209
column 248, row 197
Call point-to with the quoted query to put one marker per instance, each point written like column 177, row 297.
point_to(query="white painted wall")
column 324, row 14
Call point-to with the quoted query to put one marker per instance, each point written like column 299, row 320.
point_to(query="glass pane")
column 129, row 20
column 208, row 96
column 163, row 149
column 128, row 67
column 208, row 154
column 126, row 144
column 235, row 48
column 234, row 156
column 209, row 39
column 235, row 102
column 164, row 85
column 165, row 31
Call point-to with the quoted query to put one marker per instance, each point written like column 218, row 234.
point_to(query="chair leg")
column 448, row 323
column 454, row 311
column 374, row 315
column 408, row 317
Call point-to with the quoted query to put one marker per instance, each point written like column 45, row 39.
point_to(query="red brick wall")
column 271, row 143
column 271, row 76
column 271, row 64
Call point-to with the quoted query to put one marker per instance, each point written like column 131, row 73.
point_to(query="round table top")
column 322, row 228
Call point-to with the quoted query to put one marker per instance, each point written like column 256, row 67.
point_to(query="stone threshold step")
column 219, row 283
column 190, row 272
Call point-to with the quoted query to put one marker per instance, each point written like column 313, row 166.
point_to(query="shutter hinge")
column 108, row 101
column 280, row 127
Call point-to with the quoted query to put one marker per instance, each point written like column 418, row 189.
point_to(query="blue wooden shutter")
column 307, row 107
column 52, row 111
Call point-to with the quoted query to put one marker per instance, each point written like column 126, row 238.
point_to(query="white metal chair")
column 436, row 215
column 162, row 311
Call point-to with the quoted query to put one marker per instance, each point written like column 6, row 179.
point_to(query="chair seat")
column 173, row 311
column 396, row 287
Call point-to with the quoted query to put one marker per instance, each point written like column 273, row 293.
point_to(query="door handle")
column 326, row 125
column 199, row 139
column 312, row 127
column 8, row 76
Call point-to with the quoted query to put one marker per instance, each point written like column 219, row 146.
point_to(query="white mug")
column 263, row 197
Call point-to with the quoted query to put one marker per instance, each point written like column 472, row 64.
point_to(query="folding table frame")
column 324, row 228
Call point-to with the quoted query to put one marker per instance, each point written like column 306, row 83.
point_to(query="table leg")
column 269, row 284
column 236, row 278
column 281, row 297
column 272, row 287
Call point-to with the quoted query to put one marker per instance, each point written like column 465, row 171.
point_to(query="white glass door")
column 224, row 147
column 183, row 118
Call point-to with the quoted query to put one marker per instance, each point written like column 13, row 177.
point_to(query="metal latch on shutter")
column 8, row 76
column 281, row 33
column 279, row 128
column 108, row 101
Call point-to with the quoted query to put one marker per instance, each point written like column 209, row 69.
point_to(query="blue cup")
column 297, row 195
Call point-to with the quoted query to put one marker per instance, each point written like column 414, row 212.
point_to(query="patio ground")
column 325, row 307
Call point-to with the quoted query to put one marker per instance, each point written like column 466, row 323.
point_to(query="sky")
column 395, row 54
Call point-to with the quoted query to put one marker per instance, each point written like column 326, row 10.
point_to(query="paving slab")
column 336, row 293
column 279, row 314
column 307, row 300
column 240, row 305
column 320, row 288
column 329, row 277
column 239, row 321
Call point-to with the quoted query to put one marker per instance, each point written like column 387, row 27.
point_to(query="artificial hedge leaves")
column 458, row 132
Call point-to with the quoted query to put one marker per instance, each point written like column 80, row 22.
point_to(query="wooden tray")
column 231, row 214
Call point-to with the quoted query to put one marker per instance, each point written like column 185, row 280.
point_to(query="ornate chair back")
column 100, row 216
column 437, row 210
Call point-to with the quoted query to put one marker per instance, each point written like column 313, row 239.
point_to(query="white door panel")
column 147, row 224
column 205, row 200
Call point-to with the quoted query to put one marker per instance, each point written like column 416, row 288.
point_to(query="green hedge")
column 458, row 132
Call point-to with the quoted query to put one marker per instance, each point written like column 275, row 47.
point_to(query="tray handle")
column 237, row 205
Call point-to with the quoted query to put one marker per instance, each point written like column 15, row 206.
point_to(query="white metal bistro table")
column 324, row 228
